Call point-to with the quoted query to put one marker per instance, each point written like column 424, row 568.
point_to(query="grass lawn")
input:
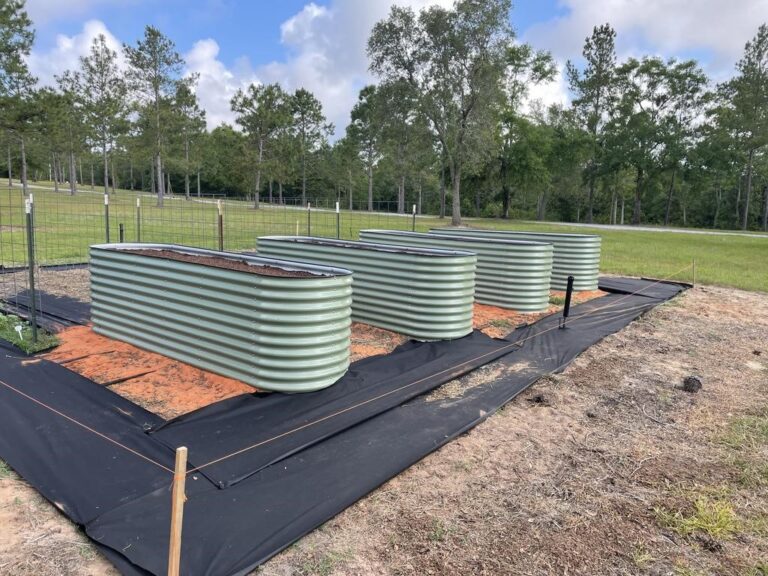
column 65, row 226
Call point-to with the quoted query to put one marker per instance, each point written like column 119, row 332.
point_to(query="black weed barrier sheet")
column 299, row 459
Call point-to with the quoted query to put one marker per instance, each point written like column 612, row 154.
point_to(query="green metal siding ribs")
column 288, row 334
column 426, row 294
column 576, row 255
column 510, row 273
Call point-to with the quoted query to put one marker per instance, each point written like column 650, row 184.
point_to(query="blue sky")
column 320, row 45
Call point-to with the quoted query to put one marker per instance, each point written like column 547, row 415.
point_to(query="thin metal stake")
column 138, row 219
column 413, row 227
column 106, row 215
column 309, row 219
column 221, row 226
column 177, row 511
column 28, row 206
column 338, row 221
column 121, row 231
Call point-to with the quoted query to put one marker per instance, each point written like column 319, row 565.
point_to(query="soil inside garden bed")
column 232, row 263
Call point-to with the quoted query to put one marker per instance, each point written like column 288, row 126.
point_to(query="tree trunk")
column 80, row 165
column 198, row 183
column 349, row 192
column 622, row 211
column 401, row 195
column 258, row 175
column 370, row 187
column 765, row 208
column 270, row 191
column 10, row 168
column 186, row 168
column 93, row 185
column 442, row 187
column 114, row 176
column 152, row 185
column 418, row 205
column 159, row 184
column 718, row 198
column 668, row 211
column 638, row 192
column 106, row 166
column 169, row 188
column 303, row 177
column 590, row 199
column 280, row 192
column 72, row 172
column 55, row 172
column 456, row 200
column 130, row 171
column 748, row 191
column 23, row 167
column 614, row 206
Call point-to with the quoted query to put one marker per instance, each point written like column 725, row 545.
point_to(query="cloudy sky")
column 320, row 45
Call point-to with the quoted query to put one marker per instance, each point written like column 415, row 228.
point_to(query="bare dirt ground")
column 608, row 468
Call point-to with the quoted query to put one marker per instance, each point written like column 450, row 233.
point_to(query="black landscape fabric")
column 231, row 531
column 54, row 313
column 278, row 425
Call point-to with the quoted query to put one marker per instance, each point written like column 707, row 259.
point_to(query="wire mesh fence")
column 65, row 226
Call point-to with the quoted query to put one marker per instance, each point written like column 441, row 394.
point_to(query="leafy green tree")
column 191, row 122
column 263, row 112
column 17, row 85
column 453, row 60
column 103, row 93
column 594, row 91
column 154, row 74
column 311, row 129
column 746, row 97
column 364, row 132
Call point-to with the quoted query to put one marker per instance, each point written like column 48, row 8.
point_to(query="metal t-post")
column 106, row 216
column 338, row 221
column 28, row 208
column 309, row 219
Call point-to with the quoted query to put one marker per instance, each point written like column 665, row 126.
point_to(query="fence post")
column 413, row 226
column 177, row 511
column 138, row 219
column 338, row 221
column 28, row 208
column 221, row 226
column 693, row 264
column 106, row 215
column 309, row 219
column 121, row 232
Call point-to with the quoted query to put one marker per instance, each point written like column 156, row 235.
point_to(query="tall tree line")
column 447, row 127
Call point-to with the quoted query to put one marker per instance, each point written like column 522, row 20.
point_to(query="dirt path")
column 609, row 468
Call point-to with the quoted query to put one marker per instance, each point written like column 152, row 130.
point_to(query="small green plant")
column 17, row 331
column 557, row 300
column 681, row 570
column 641, row 557
column 715, row 518
column 746, row 433
column 439, row 531
column 5, row 470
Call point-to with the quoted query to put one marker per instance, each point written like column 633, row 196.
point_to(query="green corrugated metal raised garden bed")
column 576, row 255
column 511, row 274
column 424, row 293
column 275, row 325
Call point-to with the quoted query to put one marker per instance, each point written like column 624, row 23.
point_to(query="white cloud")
column 327, row 52
column 548, row 93
column 217, row 84
column 717, row 27
column 66, row 53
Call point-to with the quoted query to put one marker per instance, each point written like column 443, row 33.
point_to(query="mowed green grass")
column 65, row 226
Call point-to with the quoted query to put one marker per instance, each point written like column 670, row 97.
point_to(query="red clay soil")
column 498, row 322
column 227, row 263
column 169, row 388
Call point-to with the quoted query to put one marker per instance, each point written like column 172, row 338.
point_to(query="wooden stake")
column 177, row 511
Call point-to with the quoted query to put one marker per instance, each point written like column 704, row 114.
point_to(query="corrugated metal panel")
column 576, row 255
column 288, row 334
column 426, row 294
column 511, row 274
